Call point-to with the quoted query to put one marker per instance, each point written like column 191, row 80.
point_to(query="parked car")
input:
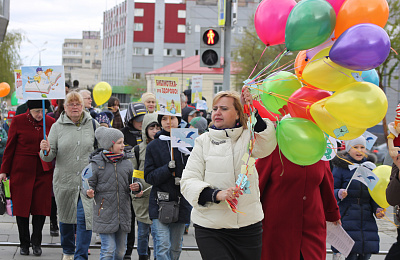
column 380, row 151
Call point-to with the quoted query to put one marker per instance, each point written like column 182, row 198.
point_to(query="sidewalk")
column 9, row 234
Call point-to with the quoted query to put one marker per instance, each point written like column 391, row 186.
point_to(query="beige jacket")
column 216, row 162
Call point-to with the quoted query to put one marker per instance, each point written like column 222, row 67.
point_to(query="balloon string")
column 266, row 46
column 386, row 218
column 273, row 63
column 279, row 149
column 307, row 51
column 394, row 50
column 336, row 69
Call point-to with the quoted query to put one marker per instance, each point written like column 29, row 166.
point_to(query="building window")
column 241, row 29
column 148, row 51
column 167, row 52
column 96, row 77
column 180, row 52
column 136, row 75
column 139, row 12
column 181, row 13
column 87, row 61
column 137, row 51
column 88, row 47
column 87, row 54
column 96, row 47
column 196, row 52
column 217, row 88
column 138, row 27
column 181, row 28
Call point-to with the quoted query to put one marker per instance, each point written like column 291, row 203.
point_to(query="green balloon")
column 309, row 24
column 14, row 99
column 277, row 90
column 301, row 141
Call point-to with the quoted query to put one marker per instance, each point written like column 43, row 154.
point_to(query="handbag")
column 168, row 211
column 3, row 202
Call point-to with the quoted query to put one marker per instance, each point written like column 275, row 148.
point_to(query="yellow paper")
column 138, row 174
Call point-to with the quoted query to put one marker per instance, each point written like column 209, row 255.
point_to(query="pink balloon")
column 270, row 20
column 336, row 4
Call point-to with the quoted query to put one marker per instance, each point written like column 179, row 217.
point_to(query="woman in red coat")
column 297, row 201
column 30, row 178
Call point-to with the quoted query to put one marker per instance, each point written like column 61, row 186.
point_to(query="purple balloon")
column 361, row 47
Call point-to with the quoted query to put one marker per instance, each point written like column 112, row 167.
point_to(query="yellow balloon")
column 331, row 125
column 323, row 73
column 360, row 105
column 379, row 192
column 102, row 93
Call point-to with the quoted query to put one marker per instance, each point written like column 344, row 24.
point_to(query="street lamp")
column 39, row 51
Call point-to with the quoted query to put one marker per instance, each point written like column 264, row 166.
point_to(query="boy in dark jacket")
column 110, row 186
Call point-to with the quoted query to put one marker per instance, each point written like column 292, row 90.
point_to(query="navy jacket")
column 357, row 209
column 156, row 172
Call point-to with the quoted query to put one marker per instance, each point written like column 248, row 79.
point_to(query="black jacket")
column 156, row 172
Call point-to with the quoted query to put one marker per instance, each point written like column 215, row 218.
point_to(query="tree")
column 9, row 57
column 249, row 52
column 387, row 69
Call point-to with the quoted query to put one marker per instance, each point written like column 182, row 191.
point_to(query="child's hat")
column 351, row 143
column 397, row 118
column 105, row 117
column 107, row 137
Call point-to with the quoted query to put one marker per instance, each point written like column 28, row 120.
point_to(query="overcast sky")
column 52, row 21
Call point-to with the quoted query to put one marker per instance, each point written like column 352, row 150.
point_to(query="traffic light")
column 210, row 47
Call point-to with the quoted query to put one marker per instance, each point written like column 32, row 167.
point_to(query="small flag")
column 365, row 176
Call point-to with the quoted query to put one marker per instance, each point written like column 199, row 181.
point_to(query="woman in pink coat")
column 297, row 201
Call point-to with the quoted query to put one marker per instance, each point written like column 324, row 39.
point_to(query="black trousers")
column 394, row 251
column 131, row 235
column 53, row 215
column 229, row 244
column 23, row 229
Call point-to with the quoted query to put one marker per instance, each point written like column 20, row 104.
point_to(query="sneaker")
column 54, row 230
column 68, row 257
column 98, row 240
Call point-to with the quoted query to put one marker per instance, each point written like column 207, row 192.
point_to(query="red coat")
column 30, row 184
column 296, row 206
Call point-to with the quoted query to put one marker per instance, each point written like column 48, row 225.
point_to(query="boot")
column 144, row 257
column 54, row 229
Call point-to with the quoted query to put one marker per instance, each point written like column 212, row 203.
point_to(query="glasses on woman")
column 38, row 111
column 74, row 105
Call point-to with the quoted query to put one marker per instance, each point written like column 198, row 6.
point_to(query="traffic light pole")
column 227, row 46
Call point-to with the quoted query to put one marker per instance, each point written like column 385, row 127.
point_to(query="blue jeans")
column 83, row 236
column 169, row 240
column 143, row 238
column 355, row 256
column 113, row 245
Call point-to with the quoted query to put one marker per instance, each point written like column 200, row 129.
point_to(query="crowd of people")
column 138, row 179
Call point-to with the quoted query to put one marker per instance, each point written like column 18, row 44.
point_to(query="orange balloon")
column 355, row 12
column 4, row 89
column 300, row 63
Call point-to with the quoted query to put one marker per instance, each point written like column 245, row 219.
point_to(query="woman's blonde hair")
column 236, row 103
column 73, row 96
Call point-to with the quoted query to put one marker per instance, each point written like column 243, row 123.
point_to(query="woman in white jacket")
column 208, row 181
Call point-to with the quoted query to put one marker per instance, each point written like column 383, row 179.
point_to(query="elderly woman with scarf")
column 30, row 178
column 210, row 177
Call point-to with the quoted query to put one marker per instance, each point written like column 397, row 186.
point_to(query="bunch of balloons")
column 334, row 88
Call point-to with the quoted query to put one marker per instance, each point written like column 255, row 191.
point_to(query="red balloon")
column 300, row 101
column 263, row 112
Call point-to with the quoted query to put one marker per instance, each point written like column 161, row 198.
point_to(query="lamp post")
column 39, row 51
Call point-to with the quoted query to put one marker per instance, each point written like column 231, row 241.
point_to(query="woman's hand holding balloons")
column 246, row 96
column 228, row 194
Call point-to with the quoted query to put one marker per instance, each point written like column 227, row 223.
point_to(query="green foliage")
column 9, row 57
column 248, row 53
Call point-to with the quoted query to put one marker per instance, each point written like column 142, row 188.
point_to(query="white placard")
column 338, row 238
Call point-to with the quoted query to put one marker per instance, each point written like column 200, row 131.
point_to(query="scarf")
column 114, row 157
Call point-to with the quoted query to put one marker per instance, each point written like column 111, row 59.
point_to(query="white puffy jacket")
column 216, row 162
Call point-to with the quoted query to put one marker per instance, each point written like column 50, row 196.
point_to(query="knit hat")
column 107, row 137
column 147, row 95
column 351, row 143
column 33, row 104
column 105, row 117
column 397, row 118
column 136, row 111
column 199, row 123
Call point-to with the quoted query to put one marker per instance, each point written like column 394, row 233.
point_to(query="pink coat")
column 297, row 201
